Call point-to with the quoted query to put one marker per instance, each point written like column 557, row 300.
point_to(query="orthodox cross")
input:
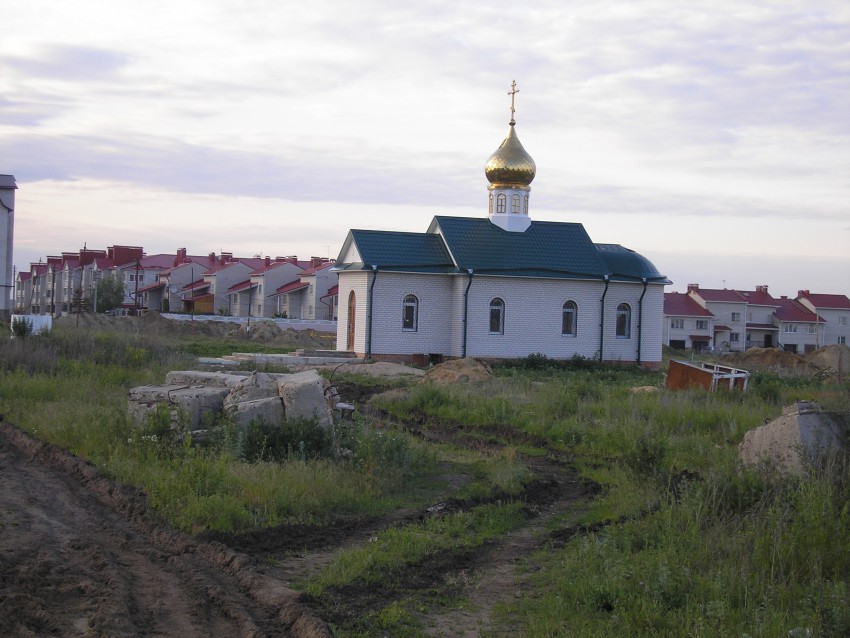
column 513, row 93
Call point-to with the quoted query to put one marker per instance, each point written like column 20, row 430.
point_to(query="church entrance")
column 352, row 305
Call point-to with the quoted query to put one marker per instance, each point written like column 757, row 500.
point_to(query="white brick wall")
column 533, row 316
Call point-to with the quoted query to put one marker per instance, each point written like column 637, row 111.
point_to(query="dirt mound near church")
column 767, row 358
column 836, row 358
column 459, row 370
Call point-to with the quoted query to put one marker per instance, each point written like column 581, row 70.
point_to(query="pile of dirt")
column 835, row 358
column 460, row 370
column 261, row 330
column 767, row 358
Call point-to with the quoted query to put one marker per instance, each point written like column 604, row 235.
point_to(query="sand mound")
column 383, row 369
column 835, row 358
column 768, row 357
column 460, row 370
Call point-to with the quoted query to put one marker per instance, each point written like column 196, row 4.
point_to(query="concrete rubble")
column 802, row 437
column 243, row 397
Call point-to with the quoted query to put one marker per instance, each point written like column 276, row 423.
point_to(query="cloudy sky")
column 713, row 137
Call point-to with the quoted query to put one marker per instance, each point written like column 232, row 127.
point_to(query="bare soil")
column 83, row 556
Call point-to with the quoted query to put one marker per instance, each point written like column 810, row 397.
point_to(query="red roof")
column 153, row 286
column 316, row 269
column 677, row 304
column 292, row 286
column 759, row 298
column 713, row 294
column 826, row 301
column 24, row 275
column 700, row 338
column 242, row 285
column 720, row 328
column 332, row 291
column 274, row 264
column 792, row 311
column 198, row 283
column 761, row 326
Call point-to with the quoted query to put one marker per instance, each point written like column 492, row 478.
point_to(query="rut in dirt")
column 81, row 555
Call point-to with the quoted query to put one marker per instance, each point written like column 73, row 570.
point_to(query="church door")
column 352, row 305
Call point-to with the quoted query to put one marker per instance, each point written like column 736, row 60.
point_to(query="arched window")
column 497, row 317
column 515, row 203
column 525, row 199
column 410, row 313
column 501, row 203
column 568, row 319
column 624, row 321
column 491, row 203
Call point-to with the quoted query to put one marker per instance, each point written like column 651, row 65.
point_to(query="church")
column 498, row 287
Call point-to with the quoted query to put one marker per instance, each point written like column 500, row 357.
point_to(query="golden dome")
column 510, row 164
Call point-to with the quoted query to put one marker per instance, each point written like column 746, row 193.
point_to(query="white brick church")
column 500, row 286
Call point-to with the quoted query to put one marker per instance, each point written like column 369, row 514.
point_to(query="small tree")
column 110, row 293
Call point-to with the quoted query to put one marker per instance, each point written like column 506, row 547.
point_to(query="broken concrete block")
column 196, row 377
column 257, row 385
column 268, row 410
column 803, row 436
column 192, row 401
column 304, row 397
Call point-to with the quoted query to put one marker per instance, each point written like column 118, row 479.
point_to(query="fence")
column 319, row 325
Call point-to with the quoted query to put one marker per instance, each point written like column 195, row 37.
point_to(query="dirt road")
column 81, row 556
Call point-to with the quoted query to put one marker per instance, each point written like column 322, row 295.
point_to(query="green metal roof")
column 402, row 251
column 545, row 248
column 624, row 263
column 459, row 244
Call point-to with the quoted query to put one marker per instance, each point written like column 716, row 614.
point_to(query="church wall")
column 533, row 317
column 358, row 282
column 433, row 331
column 625, row 349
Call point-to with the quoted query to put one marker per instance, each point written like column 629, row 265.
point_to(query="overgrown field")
column 678, row 541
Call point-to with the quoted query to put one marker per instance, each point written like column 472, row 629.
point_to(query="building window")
column 410, row 313
column 515, row 203
column 842, row 339
column 497, row 317
column 525, row 199
column 677, row 324
column 501, row 201
column 749, row 316
column 568, row 320
column 842, row 320
column 734, row 337
column 624, row 321
column 811, row 328
column 790, row 327
column 702, row 324
column 736, row 316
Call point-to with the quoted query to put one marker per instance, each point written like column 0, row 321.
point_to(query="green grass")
column 729, row 552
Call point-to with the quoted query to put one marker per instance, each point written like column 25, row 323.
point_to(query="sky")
column 711, row 137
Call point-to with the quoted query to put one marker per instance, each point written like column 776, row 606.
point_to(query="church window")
column 497, row 317
column 515, row 203
column 568, row 320
column 525, row 200
column 491, row 203
column 410, row 313
column 501, row 202
column 624, row 321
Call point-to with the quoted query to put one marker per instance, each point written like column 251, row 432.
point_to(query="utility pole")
column 136, row 294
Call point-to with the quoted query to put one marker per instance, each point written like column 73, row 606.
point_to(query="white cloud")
column 728, row 115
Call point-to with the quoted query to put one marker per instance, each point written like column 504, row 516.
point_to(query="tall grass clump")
column 733, row 552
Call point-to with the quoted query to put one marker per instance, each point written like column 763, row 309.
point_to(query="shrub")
column 21, row 327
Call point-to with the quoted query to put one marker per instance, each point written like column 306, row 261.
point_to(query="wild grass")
column 394, row 550
column 688, row 542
